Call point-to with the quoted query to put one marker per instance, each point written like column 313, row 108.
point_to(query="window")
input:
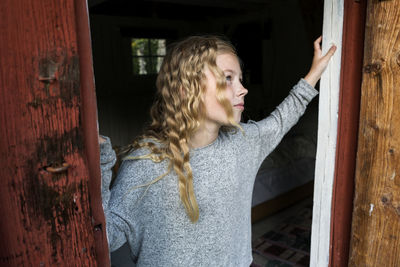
column 147, row 55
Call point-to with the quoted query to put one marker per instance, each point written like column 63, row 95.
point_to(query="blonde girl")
column 182, row 196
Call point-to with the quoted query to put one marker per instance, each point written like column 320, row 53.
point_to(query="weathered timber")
column 90, row 131
column 375, row 239
column 327, row 133
column 44, row 191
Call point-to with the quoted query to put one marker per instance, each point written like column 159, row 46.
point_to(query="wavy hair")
column 178, row 109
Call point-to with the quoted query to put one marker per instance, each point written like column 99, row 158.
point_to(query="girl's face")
column 234, row 93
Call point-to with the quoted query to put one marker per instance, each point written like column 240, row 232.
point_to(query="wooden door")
column 49, row 188
column 375, row 238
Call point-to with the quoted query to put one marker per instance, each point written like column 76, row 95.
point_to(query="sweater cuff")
column 307, row 90
column 107, row 154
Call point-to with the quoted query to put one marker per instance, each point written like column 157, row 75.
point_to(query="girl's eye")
column 229, row 78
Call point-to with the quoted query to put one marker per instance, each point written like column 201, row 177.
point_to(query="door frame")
column 339, row 107
column 327, row 133
column 340, row 86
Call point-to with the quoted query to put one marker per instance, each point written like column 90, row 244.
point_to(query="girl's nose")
column 242, row 91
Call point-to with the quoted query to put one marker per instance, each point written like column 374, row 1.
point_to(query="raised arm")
column 272, row 129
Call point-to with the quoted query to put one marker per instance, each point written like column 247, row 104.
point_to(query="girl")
column 183, row 193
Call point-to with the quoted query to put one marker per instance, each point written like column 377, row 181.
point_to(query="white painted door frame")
column 327, row 135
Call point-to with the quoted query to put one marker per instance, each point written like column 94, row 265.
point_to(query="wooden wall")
column 375, row 237
column 47, row 219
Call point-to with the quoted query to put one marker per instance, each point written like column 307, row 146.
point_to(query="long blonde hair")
column 178, row 109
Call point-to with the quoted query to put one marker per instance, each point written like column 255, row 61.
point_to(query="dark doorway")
column 273, row 38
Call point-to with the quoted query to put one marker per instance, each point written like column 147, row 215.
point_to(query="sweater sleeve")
column 270, row 131
column 107, row 161
column 116, row 222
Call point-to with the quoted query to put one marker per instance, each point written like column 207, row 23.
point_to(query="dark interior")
column 274, row 39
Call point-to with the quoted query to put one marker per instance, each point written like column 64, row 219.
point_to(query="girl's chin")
column 238, row 118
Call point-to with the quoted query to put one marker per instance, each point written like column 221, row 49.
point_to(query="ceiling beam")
column 237, row 4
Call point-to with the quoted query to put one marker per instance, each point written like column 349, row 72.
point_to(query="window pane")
column 159, row 61
column 157, row 47
column 149, row 66
column 140, row 65
column 140, row 47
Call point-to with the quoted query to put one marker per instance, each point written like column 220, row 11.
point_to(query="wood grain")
column 376, row 217
column 46, row 214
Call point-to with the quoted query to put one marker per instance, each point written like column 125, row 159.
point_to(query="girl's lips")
column 239, row 106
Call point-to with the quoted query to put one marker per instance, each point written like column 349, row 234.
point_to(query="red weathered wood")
column 90, row 131
column 348, row 123
column 46, row 216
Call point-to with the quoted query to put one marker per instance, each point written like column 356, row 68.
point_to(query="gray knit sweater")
column 155, row 224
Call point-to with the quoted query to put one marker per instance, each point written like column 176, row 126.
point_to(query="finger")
column 331, row 51
column 317, row 46
column 327, row 57
column 317, row 43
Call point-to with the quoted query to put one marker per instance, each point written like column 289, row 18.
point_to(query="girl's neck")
column 204, row 136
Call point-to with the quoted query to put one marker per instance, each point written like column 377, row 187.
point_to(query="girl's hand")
column 319, row 62
column 101, row 140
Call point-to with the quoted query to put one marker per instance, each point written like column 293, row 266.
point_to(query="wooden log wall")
column 375, row 237
column 44, row 186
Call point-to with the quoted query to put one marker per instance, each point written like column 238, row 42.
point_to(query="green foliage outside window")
column 147, row 55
